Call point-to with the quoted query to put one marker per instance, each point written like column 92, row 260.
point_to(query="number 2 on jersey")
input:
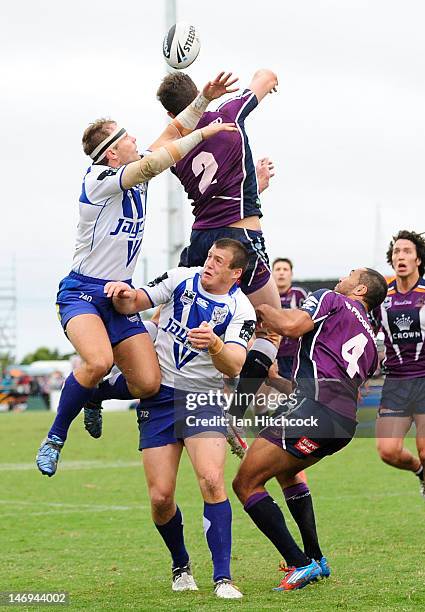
column 351, row 352
column 204, row 163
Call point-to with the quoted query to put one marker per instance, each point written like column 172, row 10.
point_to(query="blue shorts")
column 258, row 271
column 311, row 429
column 172, row 415
column 80, row 294
column 402, row 397
column 284, row 366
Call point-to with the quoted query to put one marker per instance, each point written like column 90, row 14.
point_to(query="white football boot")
column 183, row 579
column 225, row 589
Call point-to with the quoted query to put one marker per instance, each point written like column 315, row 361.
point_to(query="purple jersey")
column 402, row 319
column 219, row 174
column 338, row 355
column 293, row 298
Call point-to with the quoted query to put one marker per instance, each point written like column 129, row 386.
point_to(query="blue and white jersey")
column 111, row 225
column 186, row 306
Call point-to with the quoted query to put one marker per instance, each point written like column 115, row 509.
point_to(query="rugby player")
column 110, row 231
column 402, row 319
column 204, row 327
column 337, row 352
column 221, row 179
column 290, row 297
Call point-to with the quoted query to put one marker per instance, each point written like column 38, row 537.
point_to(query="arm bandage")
column 188, row 119
column 159, row 160
column 216, row 347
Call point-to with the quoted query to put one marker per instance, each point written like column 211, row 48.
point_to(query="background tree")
column 44, row 354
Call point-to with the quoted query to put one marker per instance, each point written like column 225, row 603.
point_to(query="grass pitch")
column 88, row 530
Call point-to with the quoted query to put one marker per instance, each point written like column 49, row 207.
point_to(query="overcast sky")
column 346, row 130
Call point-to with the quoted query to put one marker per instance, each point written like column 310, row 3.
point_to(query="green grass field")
column 88, row 530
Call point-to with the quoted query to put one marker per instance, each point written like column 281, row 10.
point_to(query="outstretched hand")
column 265, row 171
column 222, row 84
column 214, row 128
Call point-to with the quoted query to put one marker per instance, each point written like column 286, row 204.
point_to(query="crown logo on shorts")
column 403, row 323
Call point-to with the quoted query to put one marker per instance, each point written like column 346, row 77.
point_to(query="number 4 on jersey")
column 351, row 352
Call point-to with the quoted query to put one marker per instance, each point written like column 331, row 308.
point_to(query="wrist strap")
column 188, row 118
column 216, row 347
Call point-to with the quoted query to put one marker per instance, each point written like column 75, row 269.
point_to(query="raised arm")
column 151, row 165
column 188, row 119
column 263, row 82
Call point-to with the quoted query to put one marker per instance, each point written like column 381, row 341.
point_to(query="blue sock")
column 218, row 531
column 172, row 534
column 72, row 399
column 113, row 388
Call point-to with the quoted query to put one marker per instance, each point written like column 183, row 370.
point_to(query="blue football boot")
column 298, row 577
column 48, row 455
column 324, row 567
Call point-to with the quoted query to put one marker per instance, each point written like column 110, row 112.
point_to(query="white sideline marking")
column 95, row 464
column 96, row 507
column 64, row 508
column 61, row 508
column 46, row 513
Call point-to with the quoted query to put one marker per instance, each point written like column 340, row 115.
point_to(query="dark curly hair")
column 417, row 240
column 176, row 91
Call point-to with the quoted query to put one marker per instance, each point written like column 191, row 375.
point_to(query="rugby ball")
column 181, row 45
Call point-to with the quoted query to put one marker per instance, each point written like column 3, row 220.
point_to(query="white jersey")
column 111, row 225
column 186, row 305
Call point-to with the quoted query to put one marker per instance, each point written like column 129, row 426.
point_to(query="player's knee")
column 162, row 501
column 388, row 454
column 97, row 368
column 151, row 386
column 212, row 484
column 239, row 487
column 147, row 388
column 265, row 334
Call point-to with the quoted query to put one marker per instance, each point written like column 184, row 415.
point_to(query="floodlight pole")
column 8, row 309
column 175, row 212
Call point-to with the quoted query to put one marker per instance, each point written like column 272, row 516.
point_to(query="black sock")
column 253, row 374
column 300, row 504
column 420, row 473
column 172, row 534
column 268, row 517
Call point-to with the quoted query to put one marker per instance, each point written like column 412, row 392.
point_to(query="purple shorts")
column 310, row 429
column 258, row 271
